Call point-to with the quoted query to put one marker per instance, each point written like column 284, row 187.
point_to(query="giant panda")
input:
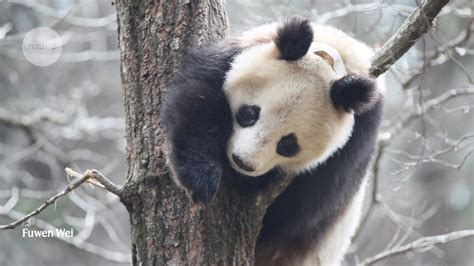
column 291, row 98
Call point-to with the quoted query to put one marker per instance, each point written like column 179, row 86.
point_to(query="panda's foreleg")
column 198, row 123
column 197, row 119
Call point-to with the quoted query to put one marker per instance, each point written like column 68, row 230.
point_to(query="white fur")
column 355, row 54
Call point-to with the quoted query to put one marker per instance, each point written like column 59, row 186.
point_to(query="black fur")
column 353, row 92
column 197, row 119
column 247, row 115
column 294, row 38
column 198, row 123
column 288, row 146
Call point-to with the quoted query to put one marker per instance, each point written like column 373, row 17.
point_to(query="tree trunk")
column 167, row 228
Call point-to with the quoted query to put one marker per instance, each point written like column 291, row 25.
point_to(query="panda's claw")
column 201, row 180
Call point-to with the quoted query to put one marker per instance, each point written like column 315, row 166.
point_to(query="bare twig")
column 395, row 126
column 90, row 176
column 411, row 30
column 358, row 8
column 98, row 179
column 48, row 202
column 424, row 243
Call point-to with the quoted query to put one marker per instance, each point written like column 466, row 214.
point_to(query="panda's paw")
column 201, row 180
column 354, row 93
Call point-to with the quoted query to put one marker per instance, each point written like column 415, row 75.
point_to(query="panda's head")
column 280, row 97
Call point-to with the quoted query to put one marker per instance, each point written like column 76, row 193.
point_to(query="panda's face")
column 282, row 112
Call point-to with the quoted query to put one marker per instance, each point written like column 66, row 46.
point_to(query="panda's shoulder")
column 197, row 78
column 209, row 60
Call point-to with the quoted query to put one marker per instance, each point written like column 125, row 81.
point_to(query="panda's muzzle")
column 240, row 163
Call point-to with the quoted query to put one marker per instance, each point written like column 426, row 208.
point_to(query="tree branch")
column 412, row 29
column 90, row 176
column 98, row 179
column 422, row 243
column 48, row 202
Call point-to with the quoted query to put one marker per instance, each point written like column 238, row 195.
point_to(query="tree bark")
column 166, row 227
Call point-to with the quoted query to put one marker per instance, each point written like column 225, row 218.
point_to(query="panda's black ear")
column 294, row 38
column 354, row 93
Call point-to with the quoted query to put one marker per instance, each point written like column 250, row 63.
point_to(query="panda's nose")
column 239, row 162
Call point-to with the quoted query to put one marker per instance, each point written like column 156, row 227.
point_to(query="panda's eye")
column 247, row 115
column 288, row 146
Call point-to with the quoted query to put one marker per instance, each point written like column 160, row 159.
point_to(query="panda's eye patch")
column 247, row 115
column 288, row 146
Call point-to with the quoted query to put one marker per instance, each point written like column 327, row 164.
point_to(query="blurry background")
column 70, row 114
